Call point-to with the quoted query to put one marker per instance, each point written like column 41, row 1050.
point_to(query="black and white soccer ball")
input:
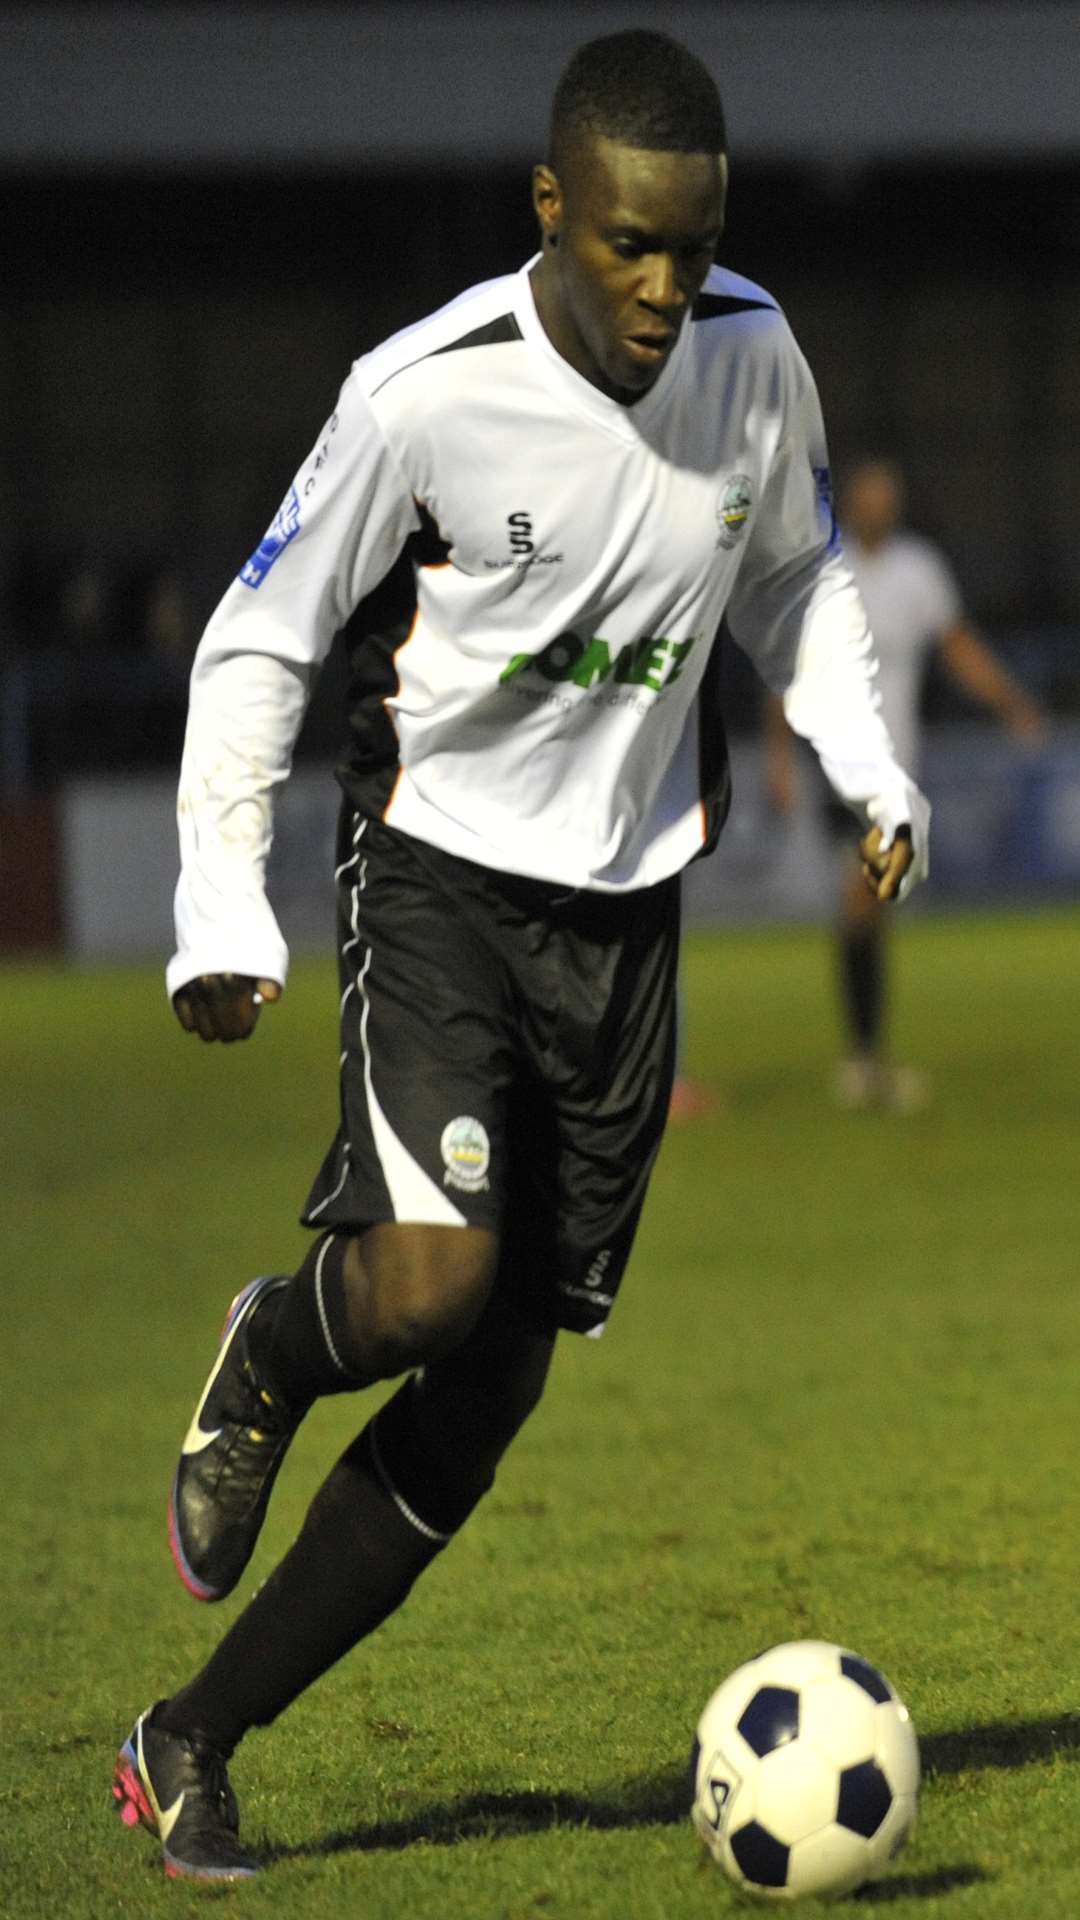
column 805, row 1772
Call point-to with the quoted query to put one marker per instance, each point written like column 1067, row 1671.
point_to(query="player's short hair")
column 642, row 89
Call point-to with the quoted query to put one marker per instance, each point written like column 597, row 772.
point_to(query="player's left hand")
column 223, row 1006
column 884, row 866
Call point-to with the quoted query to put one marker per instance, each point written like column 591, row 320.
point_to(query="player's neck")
column 555, row 317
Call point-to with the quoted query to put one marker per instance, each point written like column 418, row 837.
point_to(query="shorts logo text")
column 595, row 1275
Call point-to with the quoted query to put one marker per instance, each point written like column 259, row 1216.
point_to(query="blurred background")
column 208, row 211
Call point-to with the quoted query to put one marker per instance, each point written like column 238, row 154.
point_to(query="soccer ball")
column 804, row 1772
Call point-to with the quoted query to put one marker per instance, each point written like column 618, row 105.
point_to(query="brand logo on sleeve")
column 733, row 509
column 284, row 527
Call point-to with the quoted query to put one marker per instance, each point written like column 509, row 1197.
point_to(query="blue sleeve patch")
column 283, row 528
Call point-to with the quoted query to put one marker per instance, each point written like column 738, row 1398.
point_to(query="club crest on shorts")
column 466, row 1152
column 733, row 509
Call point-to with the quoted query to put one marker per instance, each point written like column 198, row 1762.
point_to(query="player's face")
column 629, row 236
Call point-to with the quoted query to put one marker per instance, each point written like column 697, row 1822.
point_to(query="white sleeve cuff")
column 250, row 942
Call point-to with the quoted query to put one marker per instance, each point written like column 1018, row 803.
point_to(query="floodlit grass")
column 838, row 1398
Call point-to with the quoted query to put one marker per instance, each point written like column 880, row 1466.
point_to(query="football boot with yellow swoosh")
column 177, row 1786
column 236, row 1442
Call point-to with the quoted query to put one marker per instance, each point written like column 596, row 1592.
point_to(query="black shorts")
column 507, row 1055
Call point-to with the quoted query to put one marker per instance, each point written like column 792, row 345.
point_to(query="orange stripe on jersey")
column 393, row 794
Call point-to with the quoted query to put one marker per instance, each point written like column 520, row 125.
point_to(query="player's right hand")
column 223, row 1006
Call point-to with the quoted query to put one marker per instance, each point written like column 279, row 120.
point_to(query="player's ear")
column 547, row 196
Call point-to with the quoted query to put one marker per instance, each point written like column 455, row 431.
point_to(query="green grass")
column 838, row 1398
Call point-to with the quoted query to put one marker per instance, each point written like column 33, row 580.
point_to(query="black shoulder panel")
column 717, row 306
column 504, row 328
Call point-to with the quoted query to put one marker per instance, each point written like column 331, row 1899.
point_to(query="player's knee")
column 422, row 1320
column 427, row 1288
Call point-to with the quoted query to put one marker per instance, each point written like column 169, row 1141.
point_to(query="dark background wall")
column 169, row 345
column 207, row 211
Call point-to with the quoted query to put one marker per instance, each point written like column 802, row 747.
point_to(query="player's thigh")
column 418, row 1290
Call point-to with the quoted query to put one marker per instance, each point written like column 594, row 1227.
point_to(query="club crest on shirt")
column 733, row 509
column 466, row 1152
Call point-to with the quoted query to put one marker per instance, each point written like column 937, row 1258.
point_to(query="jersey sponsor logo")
column 466, row 1152
column 733, row 509
column 652, row 662
column 284, row 527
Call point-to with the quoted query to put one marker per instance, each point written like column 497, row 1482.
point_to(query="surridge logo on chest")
column 522, row 545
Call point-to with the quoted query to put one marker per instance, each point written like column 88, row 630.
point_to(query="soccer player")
column 913, row 605
column 529, row 512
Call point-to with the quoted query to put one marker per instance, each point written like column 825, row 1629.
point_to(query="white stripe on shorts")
column 413, row 1194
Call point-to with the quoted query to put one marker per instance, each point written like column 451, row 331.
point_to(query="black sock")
column 296, row 1340
column 355, row 1560
column 862, row 973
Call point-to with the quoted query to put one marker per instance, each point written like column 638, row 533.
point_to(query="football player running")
column 529, row 512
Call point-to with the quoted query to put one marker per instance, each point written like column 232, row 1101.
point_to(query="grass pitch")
column 838, row 1398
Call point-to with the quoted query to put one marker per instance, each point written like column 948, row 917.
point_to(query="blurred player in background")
column 914, row 608
column 531, row 510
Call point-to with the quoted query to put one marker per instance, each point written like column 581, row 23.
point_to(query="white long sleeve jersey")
column 531, row 577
